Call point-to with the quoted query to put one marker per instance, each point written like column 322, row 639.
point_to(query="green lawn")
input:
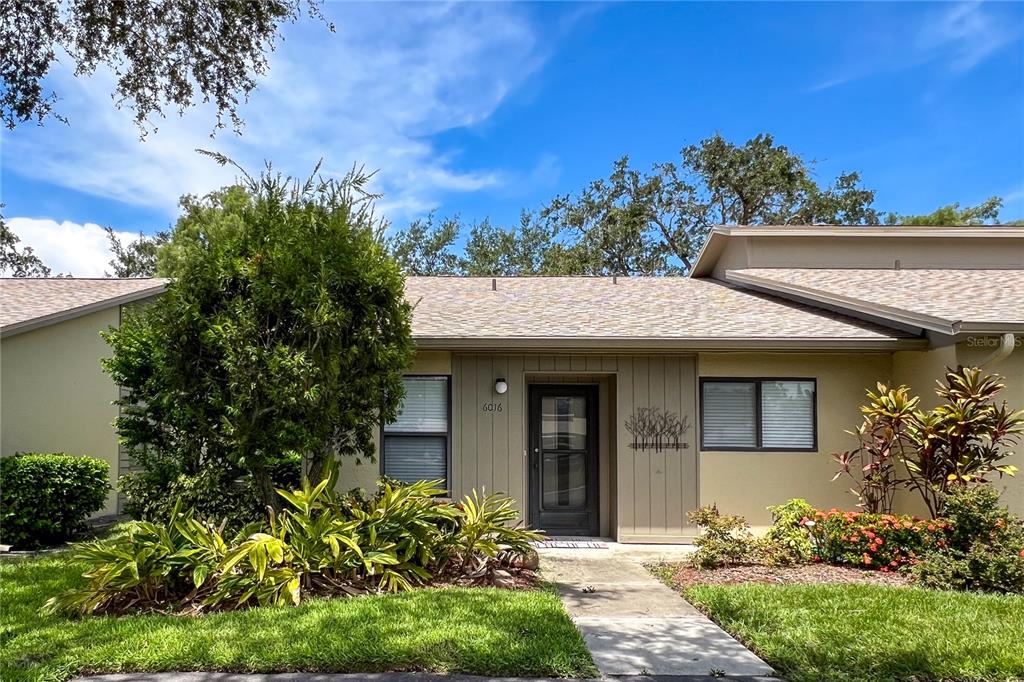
column 865, row 632
column 481, row 631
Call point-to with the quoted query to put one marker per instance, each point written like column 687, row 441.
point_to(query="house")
column 54, row 397
column 613, row 406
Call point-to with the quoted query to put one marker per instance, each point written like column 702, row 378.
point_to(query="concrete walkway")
column 634, row 624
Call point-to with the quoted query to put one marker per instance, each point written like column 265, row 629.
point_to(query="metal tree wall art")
column 654, row 429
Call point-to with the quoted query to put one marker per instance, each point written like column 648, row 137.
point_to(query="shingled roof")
column 626, row 311
column 28, row 303
column 944, row 300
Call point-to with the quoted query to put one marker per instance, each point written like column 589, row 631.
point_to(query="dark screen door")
column 563, row 459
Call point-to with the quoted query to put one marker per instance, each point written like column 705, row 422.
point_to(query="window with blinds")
column 415, row 445
column 758, row 414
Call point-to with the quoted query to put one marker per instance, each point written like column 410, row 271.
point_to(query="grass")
column 477, row 631
column 850, row 633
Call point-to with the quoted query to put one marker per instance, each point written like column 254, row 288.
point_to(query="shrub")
column 215, row 494
column 725, row 540
column 986, row 546
column 321, row 543
column 873, row 541
column 46, row 498
column 788, row 534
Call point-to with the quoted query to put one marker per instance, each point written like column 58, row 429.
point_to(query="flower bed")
column 885, row 542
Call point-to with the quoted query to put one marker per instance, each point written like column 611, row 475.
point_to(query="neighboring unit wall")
column 55, row 397
column 746, row 483
column 802, row 251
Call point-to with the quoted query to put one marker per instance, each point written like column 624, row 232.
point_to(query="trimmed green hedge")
column 46, row 498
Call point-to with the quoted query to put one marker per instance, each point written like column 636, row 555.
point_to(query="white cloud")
column 81, row 250
column 373, row 93
column 959, row 35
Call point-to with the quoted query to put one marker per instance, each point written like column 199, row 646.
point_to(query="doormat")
column 570, row 544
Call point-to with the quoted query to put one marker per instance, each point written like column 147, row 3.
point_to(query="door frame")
column 593, row 509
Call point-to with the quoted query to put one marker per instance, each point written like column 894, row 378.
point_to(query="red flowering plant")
column 883, row 542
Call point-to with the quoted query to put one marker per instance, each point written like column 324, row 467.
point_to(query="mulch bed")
column 683, row 576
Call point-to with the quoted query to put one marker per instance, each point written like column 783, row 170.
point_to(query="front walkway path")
column 636, row 625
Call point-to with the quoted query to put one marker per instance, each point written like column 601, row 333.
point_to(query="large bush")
column 875, row 541
column 985, row 550
column 45, row 499
column 285, row 329
column 320, row 544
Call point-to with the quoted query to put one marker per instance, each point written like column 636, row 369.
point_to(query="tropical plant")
column 45, row 499
column 964, row 440
column 487, row 526
column 320, row 543
column 884, row 437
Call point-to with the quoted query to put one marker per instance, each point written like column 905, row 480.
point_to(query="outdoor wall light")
column 500, row 387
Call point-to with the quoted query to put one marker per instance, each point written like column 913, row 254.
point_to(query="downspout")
column 1007, row 342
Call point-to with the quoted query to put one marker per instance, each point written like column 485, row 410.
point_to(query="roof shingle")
column 24, row 299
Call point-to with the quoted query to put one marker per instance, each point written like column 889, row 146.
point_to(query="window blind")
column 729, row 415
column 416, row 458
column 425, row 408
column 787, row 414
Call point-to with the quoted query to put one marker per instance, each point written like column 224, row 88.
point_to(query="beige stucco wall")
column 53, row 395
column 746, row 483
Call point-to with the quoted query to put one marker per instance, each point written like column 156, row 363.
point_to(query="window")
column 758, row 414
column 415, row 446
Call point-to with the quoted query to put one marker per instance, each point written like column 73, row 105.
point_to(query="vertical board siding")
column 651, row 492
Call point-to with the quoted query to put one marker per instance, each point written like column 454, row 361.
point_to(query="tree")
column 284, row 330
column 18, row 262
column 986, row 212
column 424, row 248
column 637, row 222
column 162, row 52
column 138, row 259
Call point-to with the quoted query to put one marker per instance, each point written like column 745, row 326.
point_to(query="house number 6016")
column 491, row 407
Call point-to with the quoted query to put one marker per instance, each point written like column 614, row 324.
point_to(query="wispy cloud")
column 959, row 36
column 374, row 93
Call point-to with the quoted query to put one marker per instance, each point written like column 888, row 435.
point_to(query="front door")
column 563, row 459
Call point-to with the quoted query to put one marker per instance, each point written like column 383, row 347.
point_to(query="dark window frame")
column 447, row 435
column 759, row 427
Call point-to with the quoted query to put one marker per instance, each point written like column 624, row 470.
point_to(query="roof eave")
column 662, row 344
column 64, row 315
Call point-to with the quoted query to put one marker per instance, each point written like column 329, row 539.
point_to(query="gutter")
column 612, row 345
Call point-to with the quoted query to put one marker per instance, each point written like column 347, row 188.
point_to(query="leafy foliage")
column 137, row 259
column 161, row 52
column 986, row 546
column 787, row 532
column 873, row 541
column 285, row 330
column 884, row 441
column 321, row 543
column 45, row 499
column 985, row 212
column 725, row 540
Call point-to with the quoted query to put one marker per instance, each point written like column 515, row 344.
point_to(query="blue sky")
column 482, row 109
